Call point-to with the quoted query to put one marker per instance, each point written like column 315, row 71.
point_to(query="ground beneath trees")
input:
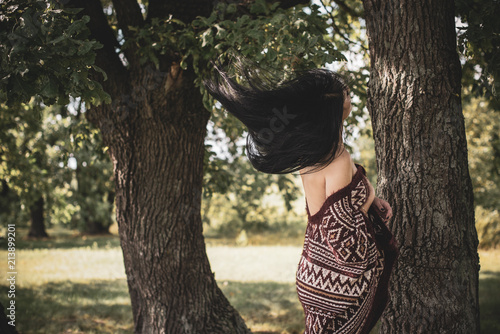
column 79, row 284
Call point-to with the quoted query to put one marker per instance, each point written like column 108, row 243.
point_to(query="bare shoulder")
column 321, row 184
column 339, row 172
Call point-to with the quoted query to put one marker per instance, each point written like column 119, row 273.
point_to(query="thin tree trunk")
column 415, row 106
column 86, row 188
column 37, row 227
column 157, row 147
column 94, row 227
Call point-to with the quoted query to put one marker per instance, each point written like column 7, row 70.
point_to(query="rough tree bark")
column 157, row 150
column 155, row 130
column 414, row 101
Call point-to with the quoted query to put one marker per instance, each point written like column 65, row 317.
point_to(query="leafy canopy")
column 479, row 43
column 45, row 51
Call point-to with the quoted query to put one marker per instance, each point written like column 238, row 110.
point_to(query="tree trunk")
column 95, row 227
column 415, row 105
column 37, row 228
column 91, row 224
column 155, row 134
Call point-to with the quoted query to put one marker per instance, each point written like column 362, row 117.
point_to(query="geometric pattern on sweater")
column 340, row 266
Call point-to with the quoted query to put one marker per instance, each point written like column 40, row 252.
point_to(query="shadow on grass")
column 103, row 306
column 490, row 274
column 67, row 307
column 489, row 302
column 267, row 307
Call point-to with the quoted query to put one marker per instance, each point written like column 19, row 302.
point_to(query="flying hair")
column 292, row 123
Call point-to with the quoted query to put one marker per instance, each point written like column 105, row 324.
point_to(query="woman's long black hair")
column 292, row 124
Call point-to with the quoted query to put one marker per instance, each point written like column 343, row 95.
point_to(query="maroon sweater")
column 343, row 274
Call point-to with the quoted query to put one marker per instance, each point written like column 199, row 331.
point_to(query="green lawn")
column 72, row 284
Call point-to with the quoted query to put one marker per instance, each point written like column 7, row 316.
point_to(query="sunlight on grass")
column 255, row 263
column 245, row 264
column 39, row 266
column 490, row 263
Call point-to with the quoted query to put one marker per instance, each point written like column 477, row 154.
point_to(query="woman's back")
column 337, row 175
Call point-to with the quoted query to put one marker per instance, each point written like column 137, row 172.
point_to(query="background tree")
column 414, row 99
column 479, row 44
column 482, row 124
column 92, row 187
column 34, row 152
column 29, row 170
column 252, row 203
column 44, row 54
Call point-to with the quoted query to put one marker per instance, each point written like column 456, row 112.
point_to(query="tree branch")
column 187, row 10
column 184, row 10
column 337, row 30
column 128, row 13
column 290, row 3
column 106, row 57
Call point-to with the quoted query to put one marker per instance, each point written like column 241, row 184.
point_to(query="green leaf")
column 50, row 89
column 99, row 70
column 85, row 47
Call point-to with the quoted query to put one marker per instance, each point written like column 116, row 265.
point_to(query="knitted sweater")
column 343, row 274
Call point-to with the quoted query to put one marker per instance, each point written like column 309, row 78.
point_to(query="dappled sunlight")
column 101, row 306
column 269, row 307
column 489, row 259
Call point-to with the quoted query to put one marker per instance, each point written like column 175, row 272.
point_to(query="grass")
column 94, row 306
column 74, row 284
column 489, row 291
column 267, row 307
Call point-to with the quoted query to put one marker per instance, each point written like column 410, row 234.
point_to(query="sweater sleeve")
column 362, row 168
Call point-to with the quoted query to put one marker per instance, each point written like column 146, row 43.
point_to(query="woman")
column 296, row 125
